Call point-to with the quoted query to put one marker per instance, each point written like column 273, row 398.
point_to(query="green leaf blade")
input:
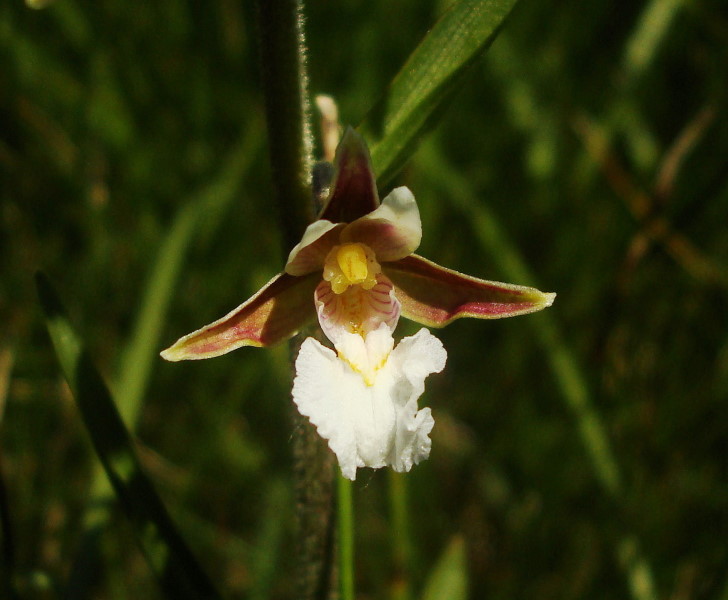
column 428, row 80
column 163, row 547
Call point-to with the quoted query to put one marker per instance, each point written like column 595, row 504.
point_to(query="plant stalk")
column 345, row 506
column 285, row 83
column 283, row 71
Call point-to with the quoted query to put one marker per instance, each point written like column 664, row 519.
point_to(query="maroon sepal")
column 354, row 190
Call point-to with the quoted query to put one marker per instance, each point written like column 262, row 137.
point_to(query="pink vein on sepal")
column 275, row 313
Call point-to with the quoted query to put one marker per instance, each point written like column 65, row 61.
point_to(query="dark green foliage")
column 166, row 552
column 132, row 145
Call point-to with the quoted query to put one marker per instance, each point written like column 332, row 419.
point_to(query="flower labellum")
column 364, row 401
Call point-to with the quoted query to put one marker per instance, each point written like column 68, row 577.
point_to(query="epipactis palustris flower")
column 357, row 264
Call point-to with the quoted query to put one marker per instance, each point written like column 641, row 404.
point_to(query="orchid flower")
column 355, row 269
column 355, row 260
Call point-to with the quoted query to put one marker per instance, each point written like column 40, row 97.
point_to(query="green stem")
column 314, row 492
column 283, row 68
column 346, row 538
column 283, row 58
column 401, row 540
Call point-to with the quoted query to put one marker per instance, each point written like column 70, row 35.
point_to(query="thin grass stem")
column 345, row 510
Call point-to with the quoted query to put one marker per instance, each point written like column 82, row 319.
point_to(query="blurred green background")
column 586, row 153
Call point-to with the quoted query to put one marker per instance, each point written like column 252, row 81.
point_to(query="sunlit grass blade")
column 166, row 552
column 207, row 204
column 623, row 116
column 199, row 216
column 648, row 36
column 270, row 539
column 428, row 79
column 449, row 578
column 401, row 537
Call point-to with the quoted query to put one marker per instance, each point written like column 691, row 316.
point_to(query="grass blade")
column 270, row 540
column 428, row 79
column 401, row 535
column 210, row 202
column 166, row 552
column 449, row 578
column 200, row 215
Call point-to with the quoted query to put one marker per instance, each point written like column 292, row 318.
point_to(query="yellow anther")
column 353, row 262
column 351, row 265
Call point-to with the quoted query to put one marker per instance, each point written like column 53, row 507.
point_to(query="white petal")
column 413, row 360
column 416, row 357
column 366, row 357
column 309, row 254
column 411, row 442
column 317, row 394
column 393, row 230
column 369, row 418
column 357, row 422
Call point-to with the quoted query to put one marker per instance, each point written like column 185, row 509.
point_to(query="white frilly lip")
column 364, row 403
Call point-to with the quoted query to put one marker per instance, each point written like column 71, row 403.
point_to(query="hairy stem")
column 283, row 69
